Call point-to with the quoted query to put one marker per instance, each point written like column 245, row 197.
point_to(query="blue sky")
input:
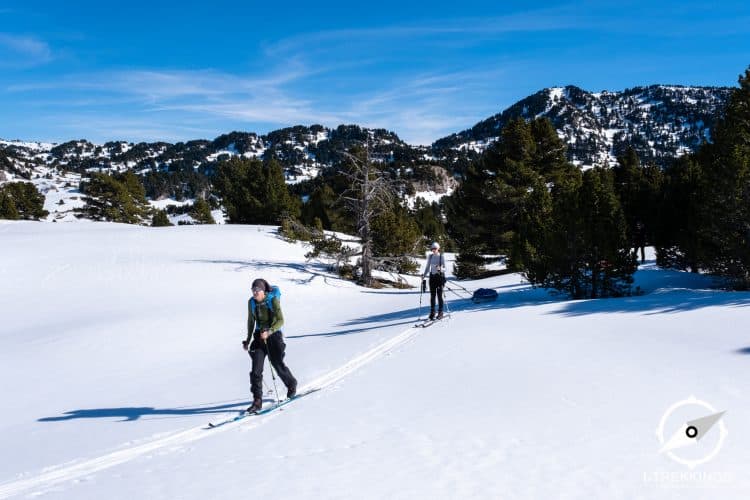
column 185, row 70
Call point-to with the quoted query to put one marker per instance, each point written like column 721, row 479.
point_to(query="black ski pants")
column 274, row 347
column 437, row 281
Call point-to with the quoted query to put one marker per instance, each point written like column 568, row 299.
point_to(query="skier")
column 435, row 267
column 264, row 337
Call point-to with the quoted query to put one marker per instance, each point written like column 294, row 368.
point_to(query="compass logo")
column 691, row 432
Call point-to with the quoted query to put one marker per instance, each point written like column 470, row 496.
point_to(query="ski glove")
column 244, row 344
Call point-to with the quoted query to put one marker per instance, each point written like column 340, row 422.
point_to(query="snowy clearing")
column 120, row 343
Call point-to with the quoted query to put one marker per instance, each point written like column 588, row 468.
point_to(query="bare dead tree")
column 370, row 193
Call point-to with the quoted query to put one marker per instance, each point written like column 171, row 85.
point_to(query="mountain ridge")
column 660, row 122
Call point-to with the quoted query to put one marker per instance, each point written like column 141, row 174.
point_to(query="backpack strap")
column 269, row 305
column 440, row 262
column 429, row 264
column 254, row 307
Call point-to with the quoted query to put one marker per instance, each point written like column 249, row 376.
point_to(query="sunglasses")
column 257, row 289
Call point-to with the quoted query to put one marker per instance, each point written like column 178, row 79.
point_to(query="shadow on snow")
column 665, row 291
column 132, row 413
column 659, row 301
column 311, row 270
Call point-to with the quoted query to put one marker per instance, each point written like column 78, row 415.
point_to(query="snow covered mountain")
column 302, row 151
column 178, row 170
column 660, row 122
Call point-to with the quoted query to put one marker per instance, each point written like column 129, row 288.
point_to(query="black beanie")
column 261, row 283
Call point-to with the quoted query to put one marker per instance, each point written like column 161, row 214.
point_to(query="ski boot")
column 256, row 406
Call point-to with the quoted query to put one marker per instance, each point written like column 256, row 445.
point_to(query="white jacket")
column 434, row 265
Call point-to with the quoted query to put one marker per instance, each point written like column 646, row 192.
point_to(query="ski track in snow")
column 73, row 471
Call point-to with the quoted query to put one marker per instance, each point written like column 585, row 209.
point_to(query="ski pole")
column 421, row 290
column 462, row 288
column 454, row 292
column 273, row 375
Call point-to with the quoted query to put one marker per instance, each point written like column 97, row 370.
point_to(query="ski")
column 268, row 409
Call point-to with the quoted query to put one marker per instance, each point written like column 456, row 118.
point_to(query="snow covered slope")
column 119, row 343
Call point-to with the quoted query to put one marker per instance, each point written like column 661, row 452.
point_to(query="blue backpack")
column 275, row 292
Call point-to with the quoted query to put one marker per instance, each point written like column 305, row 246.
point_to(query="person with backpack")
column 264, row 338
column 436, row 269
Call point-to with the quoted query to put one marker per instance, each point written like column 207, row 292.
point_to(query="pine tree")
column 607, row 255
column 160, row 219
column 395, row 233
column 116, row 198
column 549, row 158
column 484, row 211
column 278, row 202
column 201, row 212
column 556, row 261
column 532, row 228
column 727, row 170
column 238, row 182
column 494, row 209
column 23, row 201
column 254, row 193
column 638, row 189
column 133, row 184
column 682, row 216
column 8, row 208
column 651, row 194
column 469, row 222
column 580, row 246
column 332, row 249
column 429, row 220
column 323, row 205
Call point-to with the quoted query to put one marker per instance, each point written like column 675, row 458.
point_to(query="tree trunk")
column 366, row 257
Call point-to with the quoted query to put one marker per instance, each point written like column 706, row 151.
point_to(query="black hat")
column 261, row 283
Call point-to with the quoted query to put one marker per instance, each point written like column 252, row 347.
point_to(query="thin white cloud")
column 281, row 111
column 432, row 105
column 657, row 20
column 419, row 109
column 160, row 85
column 23, row 51
column 532, row 21
column 419, row 104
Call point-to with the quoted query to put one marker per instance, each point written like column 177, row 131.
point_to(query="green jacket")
column 263, row 321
